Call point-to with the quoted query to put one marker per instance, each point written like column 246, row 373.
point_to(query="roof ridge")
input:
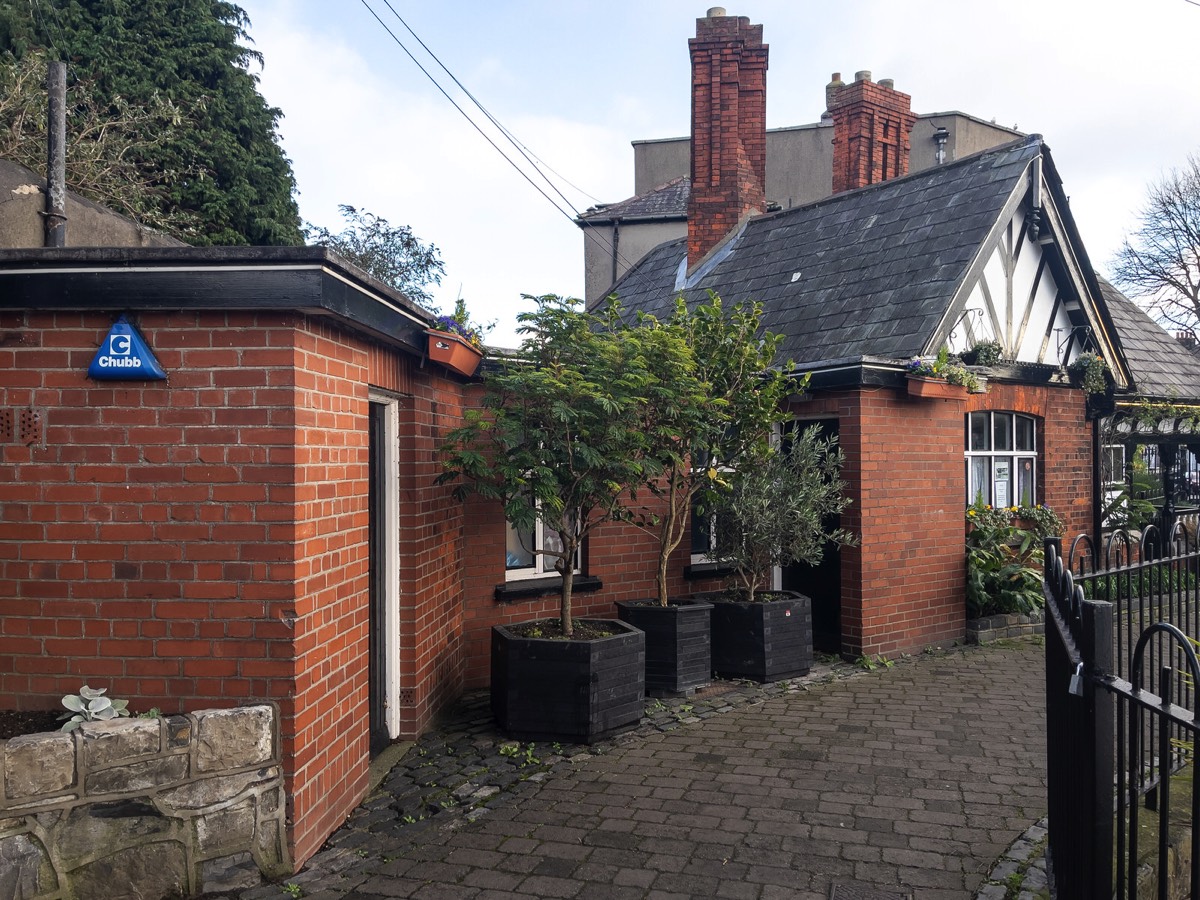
column 1018, row 143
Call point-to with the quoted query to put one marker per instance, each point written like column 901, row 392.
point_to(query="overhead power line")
column 572, row 214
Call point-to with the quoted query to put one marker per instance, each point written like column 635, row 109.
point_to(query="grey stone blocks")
column 144, row 808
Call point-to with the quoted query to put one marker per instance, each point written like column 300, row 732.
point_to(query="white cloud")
column 1106, row 82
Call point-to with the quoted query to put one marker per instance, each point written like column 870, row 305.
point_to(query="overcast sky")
column 1110, row 85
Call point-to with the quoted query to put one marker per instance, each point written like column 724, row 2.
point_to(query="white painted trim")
column 983, row 256
column 390, row 495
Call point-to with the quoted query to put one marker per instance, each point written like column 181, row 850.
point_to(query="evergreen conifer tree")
column 226, row 171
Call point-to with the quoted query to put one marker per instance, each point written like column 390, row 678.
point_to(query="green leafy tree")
column 389, row 253
column 718, row 397
column 559, row 439
column 1160, row 260
column 778, row 508
column 226, row 167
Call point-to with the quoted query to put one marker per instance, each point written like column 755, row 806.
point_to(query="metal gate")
column 1121, row 689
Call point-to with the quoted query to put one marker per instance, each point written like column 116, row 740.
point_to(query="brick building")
column 889, row 267
column 260, row 525
column 263, row 523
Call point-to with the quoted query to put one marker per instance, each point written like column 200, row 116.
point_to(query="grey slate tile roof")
column 1161, row 366
column 867, row 273
column 667, row 201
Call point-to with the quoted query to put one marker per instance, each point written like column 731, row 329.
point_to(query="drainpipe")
column 616, row 249
column 1098, row 495
column 56, row 156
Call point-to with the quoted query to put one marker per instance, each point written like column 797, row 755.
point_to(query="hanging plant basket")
column 935, row 388
column 454, row 352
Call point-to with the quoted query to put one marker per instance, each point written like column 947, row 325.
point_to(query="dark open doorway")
column 822, row 582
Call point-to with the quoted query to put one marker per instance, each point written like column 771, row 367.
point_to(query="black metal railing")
column 1121, row 690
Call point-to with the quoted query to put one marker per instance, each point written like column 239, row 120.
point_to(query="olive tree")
column 779, row 506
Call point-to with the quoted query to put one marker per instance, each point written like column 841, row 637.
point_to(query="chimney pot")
column 862, row 75
column 831, row 92
column 887, row 83
column 716, row 12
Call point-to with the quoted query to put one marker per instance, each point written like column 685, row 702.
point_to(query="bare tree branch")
column 1159, row 262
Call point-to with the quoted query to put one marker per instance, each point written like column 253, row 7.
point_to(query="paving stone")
column 920, row 775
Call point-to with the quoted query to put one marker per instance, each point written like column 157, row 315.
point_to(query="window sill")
column 527, row 588
column 706, row 570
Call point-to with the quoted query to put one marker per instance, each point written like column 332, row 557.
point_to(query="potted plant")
column 775, row 514
column 983, row 353
column 455, row 342
column 559, row 441
column 716, row 400
column 1090, row 372
column 942, row 377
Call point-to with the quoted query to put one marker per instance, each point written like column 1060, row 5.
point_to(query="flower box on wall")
column 935, row 388
column 454, row 352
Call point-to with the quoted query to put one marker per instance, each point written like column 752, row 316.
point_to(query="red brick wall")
column 203, row 541
column 1064, row 445
column 871, row 125
column 903, row 588
column 146, row 542
column 729, row 130
column 433, row 556
column 329, row 740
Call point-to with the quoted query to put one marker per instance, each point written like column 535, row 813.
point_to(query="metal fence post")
column 1096, row 648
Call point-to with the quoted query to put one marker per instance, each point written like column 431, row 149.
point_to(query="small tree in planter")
column 560, row 441
column 722, row 399
column 775, row 514
column 718, row 398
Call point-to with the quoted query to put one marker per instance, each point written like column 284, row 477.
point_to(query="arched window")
column 1001, row 455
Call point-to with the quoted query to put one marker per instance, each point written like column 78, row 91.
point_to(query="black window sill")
column 706, row 570
column 528, row 588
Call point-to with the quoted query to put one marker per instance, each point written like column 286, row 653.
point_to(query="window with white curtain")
column 1001, row 458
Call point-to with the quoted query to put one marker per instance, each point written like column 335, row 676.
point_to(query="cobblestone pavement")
column 912, row 780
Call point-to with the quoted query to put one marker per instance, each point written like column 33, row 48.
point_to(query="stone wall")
column 144, row 808
column 1005, row 625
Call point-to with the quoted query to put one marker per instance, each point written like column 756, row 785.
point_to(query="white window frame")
column 390, row 497
column 998, row 457
column 543, row 565
column 707, row 557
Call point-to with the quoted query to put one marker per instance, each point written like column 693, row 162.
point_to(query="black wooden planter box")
column 581, row 691
column 761, row 641
column 678, row 644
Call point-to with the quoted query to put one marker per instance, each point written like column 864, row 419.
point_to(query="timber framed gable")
column 1029, row 287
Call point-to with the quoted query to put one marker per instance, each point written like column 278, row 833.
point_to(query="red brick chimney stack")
column 871, row 123
column 729, row 128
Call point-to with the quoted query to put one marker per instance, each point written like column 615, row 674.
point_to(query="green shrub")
column 1004, row 560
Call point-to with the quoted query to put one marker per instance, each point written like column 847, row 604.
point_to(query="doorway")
column 821, row 582
column 383, row 493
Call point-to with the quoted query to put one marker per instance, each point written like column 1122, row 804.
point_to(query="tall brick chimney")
column 871, row 123
column 729, row 128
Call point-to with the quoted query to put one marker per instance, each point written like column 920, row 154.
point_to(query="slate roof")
column 667, row 201
column 1161, row 366
column 864, row 274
